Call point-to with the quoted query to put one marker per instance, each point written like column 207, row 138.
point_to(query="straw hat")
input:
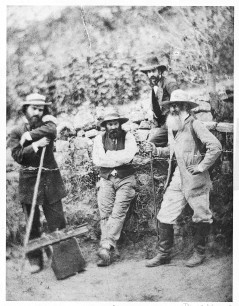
column 35, row 99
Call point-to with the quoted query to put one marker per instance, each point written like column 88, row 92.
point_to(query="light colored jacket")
column 184, row 148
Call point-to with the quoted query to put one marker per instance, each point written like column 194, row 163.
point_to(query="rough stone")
column 204, row 116
column 62, row 145
column 91, row 133
column 82, row 143
column 144, row 125
column 141, row 135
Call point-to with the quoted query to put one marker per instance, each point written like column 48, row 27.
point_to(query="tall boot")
column 164, row 246
column 198, row 256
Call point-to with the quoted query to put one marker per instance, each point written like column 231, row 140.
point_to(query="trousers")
column 174, row 201
column 114, row 198
column 55, row 220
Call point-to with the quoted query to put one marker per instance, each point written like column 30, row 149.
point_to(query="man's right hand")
column 150, row 147
column 42, row 142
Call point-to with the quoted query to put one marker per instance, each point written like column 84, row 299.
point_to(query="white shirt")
column 112, row 159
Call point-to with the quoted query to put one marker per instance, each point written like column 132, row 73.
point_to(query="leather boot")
column 164, row 246
column 198, row 256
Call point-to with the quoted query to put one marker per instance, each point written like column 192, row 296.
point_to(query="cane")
column 154, row 193
column 34, row 200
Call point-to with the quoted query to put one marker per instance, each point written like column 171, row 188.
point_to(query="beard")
column 115, row 134
column 173, row 121
column 34, row 122
column 153, row 81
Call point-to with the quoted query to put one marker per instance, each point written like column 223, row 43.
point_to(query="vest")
column 123, row 170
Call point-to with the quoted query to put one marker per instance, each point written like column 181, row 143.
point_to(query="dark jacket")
column 51, row 184
column 166, row 86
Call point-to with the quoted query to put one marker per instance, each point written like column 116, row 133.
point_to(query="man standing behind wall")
column 162, row 87
column 113, row 152
column 188, row 181
column 36, row 130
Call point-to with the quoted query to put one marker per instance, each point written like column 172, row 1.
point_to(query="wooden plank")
column 225, row 127
column 55, row 237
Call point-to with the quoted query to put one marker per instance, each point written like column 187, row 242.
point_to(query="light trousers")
column 114, row 198
column 174, row 201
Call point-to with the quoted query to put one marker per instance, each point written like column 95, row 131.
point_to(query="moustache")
column 115, row 133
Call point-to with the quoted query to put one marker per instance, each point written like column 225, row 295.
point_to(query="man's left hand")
column 25, row 136
column 193, row 169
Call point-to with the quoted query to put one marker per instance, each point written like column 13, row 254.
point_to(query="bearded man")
column 188, row 180
column 113, row 152
column 162, row 86
column 36, row 130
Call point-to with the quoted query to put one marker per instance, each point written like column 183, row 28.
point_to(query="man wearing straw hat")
column 162, row 86
column 36, row 130
column 188, row 180
column 113, row 152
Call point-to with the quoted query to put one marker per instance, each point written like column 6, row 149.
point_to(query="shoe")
column 104, row 254
column 105, row 258
column 32, row 268
column 195, row 260
column 102, row 263
column 157, row 261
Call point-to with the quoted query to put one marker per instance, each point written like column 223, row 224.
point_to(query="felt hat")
column 113, row 116
column 151, row 63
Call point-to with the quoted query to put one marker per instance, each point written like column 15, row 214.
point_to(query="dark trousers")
column 55, row 220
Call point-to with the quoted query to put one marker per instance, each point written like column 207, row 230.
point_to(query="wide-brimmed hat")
column 35, row 99
column 151, row 63
column 113, row 116
column 179, row 96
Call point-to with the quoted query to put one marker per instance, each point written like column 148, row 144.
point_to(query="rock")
column 80, row 133
column 203, row 106
column 202, row 116
column 145, row 125
column 81, row 156
column 91, row 133
column 136, row 116
column 82, row 143
column 62, row 145
column 84, row 120
column 62, row 158
column 141, row 135
column 130, row 126
column 65, row 129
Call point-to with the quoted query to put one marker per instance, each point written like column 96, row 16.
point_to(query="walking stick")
column 34, row 200
column 154, row 193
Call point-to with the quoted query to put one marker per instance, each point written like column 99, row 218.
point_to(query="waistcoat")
column 108, row 144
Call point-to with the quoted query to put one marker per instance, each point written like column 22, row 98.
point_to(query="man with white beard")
column 188, row 179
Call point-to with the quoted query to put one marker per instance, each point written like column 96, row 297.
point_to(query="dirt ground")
column 125, row 280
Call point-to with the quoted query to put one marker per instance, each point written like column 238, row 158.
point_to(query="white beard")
column 174, row 123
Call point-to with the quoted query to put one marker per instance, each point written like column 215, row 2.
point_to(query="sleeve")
column 213, row 145
column 20, row 154
column 171, row 85
column 48, row 129
column 98, row 154
column 125, row 156
column 112, row 159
